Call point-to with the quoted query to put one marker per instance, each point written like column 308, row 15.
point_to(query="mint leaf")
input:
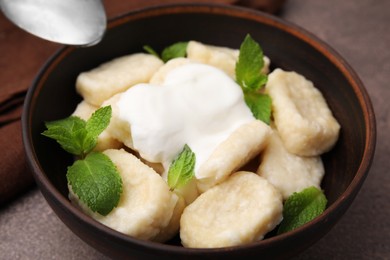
column 301, row 208
column 77, row 136
column 99, row 121
column 249, row 64
column 249, row 77
column 150, row 50
column 70, row 133
column 176, row 50
column 260, row 105
column 96, row 181
column 181, row 170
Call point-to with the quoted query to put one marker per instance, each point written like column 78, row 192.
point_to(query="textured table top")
column 360, row 31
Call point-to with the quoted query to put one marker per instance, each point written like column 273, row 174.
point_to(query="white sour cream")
column 198, row 105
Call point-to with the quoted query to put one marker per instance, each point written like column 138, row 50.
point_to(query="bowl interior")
column 53, row 94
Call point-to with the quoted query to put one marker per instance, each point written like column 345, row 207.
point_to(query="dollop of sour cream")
column 198, row 105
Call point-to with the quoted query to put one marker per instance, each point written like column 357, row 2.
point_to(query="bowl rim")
column 228, row 10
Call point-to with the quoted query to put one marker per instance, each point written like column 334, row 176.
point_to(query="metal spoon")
column 70, row 22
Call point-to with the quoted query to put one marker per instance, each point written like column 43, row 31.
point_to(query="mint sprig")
column 96, row 182
column 260, row 105
column 249, row 64
column 175, row 50
column 98, row 121
column 71, row 134
column 302, row 207
column 94, row 178
column 249, row 77
column 77, row 136
column 181, row 170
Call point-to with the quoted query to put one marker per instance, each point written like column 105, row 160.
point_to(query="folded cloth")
column 22, row 55
column 11, row 108
column 14, row 173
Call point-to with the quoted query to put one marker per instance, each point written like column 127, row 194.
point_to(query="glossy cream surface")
column 197, row 104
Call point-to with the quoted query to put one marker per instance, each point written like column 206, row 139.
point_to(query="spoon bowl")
column 70, row 22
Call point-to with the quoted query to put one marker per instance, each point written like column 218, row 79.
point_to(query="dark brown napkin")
column 15, row 175
column 21, row 57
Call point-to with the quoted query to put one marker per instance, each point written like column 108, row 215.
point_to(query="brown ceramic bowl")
column 53, row 96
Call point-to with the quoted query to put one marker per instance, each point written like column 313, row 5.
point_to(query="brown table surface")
column 358, row 29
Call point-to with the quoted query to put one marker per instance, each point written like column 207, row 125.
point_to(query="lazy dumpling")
column 289, row 172
column 302, row 117
column 147, row 209
column 117, row 75
column 240, row 210
column 221, row 57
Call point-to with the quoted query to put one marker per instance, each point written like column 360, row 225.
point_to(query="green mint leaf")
column 77, row 136
column 70, row 133
column 249, row 77
column 301, row 208
column 260, row 105
column 87, row 141
column 181, row 170
column 96, row 181
column 176, row 50
column 99, row 121
column 150, row 50
column 249, row 64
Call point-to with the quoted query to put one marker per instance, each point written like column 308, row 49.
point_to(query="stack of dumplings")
column 224, row 205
